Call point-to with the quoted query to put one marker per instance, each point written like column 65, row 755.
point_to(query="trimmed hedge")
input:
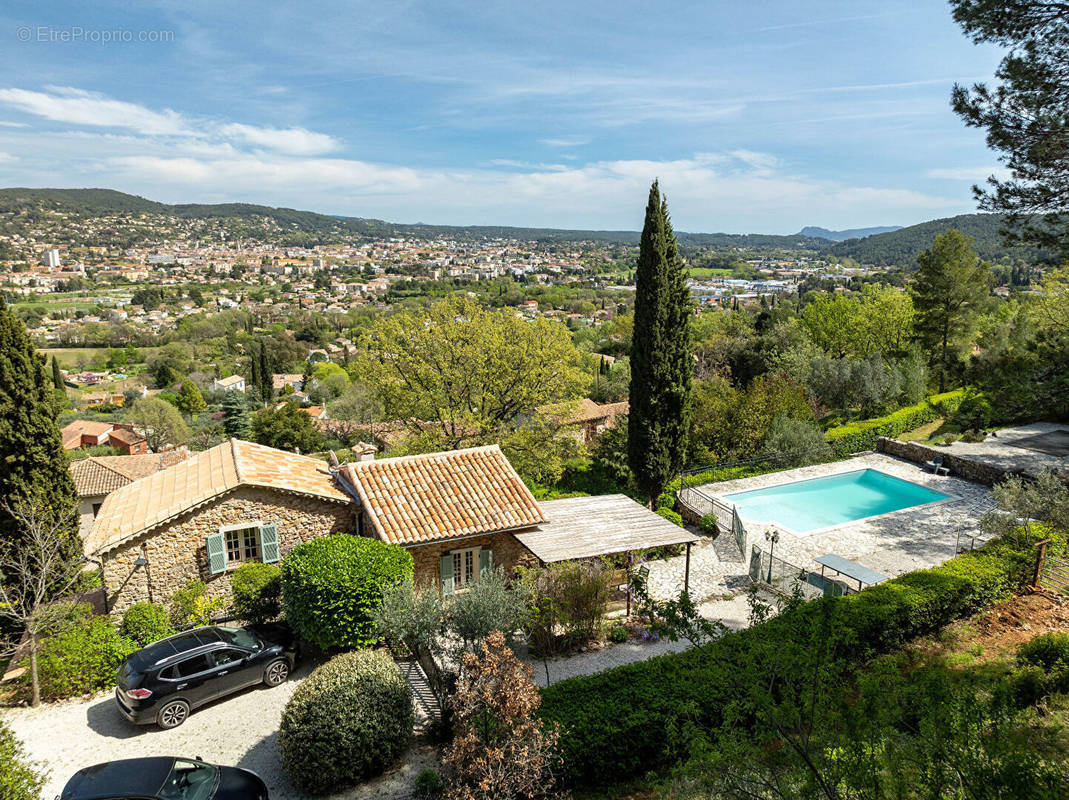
column 257, row 590
column 619, row 724
column 348, row 721
column 331, row 587
column 863, row 434
column 146, row 623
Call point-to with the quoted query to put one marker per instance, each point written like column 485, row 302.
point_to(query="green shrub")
column 331, row 587
column 974, row 411
column 1048, row 651
column 182, row 602
column 620, row 723
column 708, row 523
column 428, row 785
column 257, row 592
column 82, row 659
column 670, row 515
column 19, row 778
column 569, row 601
column 618, row 634
column 666, row 500
column 863, row 434
column 348, row 721
column 145, row 623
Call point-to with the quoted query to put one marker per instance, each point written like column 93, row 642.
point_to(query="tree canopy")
column 158, row 422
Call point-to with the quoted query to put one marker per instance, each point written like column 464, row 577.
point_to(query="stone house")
column 459, row 513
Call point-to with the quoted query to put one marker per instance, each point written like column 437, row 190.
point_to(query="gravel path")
column 241, row 730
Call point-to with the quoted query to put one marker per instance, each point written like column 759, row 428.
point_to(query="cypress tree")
column 57, row 375
column 33, row 466
column 266, row 381
column 661, row 363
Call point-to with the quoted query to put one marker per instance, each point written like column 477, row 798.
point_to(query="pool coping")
column 947, row 498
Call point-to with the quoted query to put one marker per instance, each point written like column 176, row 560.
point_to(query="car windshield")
column 240, row 637
column 189, row 780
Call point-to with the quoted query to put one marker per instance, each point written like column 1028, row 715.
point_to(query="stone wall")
column 177, row 553
column 508, row 554
column 967, row 468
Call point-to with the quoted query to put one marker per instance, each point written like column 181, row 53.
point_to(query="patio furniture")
column 851, row 569
column 936, row 465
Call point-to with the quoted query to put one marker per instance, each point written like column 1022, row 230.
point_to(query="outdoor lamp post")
column 771, row 537
column 141, row 562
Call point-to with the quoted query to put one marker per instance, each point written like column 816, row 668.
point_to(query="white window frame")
column 226, row 530
column 461, row 560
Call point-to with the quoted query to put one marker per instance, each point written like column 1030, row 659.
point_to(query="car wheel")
column 277, row 672
column 173, row 714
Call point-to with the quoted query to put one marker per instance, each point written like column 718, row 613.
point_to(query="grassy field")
column 705, row 273
column 68, row 356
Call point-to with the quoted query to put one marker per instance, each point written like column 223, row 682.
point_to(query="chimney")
column 364, row 451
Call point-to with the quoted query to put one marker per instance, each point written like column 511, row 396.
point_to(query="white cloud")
column 7, row 158
column 295, row 141
column 79, row 107
column 65, row 104
column 969, row 173
column 567, row 141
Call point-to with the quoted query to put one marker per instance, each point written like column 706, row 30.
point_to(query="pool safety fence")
column 782, row 576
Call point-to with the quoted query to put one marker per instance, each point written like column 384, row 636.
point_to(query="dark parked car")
column 163, row 682
column 163, row 778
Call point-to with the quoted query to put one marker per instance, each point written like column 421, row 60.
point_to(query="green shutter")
column 486, row 560
column 269, row 543
column 216, row 553
column 447, row 573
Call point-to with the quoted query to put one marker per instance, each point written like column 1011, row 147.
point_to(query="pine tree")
column 235, row 415
column 190, row 399
column 661, row 363
column 57, row 375
column 950, row 286
column 33, row 465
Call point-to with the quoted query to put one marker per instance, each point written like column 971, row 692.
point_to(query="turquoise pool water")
column 817, row 503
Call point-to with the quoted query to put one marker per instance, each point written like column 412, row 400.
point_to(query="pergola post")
column 686, row 572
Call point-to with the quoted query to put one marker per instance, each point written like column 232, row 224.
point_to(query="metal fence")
column 783, row 576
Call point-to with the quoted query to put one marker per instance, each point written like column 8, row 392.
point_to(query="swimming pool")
column 809, row 505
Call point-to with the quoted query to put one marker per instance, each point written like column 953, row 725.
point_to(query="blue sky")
column 757, row 117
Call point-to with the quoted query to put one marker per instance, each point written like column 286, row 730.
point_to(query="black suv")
column 163, row 778
column 163, row 682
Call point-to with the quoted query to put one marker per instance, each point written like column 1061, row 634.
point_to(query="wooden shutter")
column 216, row 553
column 269, row 543
column 486, row 560
column 446, row 568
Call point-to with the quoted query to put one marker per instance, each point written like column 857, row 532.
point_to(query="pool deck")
column 893, row 543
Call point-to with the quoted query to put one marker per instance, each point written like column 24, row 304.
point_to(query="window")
column 465, row 567
column 96, row 508
column 242, row 544
column 228, row 656
column 191, row 666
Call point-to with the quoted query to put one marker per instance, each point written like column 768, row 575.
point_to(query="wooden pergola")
column 587, row 527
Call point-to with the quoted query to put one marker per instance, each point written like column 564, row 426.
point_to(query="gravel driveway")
column 241, row 730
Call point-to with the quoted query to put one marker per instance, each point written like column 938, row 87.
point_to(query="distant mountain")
column 322, row 228
column 901, row 247
column 841, row 236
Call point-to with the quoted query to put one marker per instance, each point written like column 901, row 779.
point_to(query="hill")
column 901, row 247
column 322, row 228
column 841, row 236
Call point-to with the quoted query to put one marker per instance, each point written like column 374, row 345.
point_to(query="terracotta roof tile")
column 98, row 475
column 150, row 501
column 447, row 495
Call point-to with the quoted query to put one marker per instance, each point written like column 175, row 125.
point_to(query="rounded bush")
column 708, row 523
column 82, row 659
column 428, row 785
column 20, row 779
column 332, row 586
column 146, row 623
column 257, row 590
column 1047, row 651
column 348, row 721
